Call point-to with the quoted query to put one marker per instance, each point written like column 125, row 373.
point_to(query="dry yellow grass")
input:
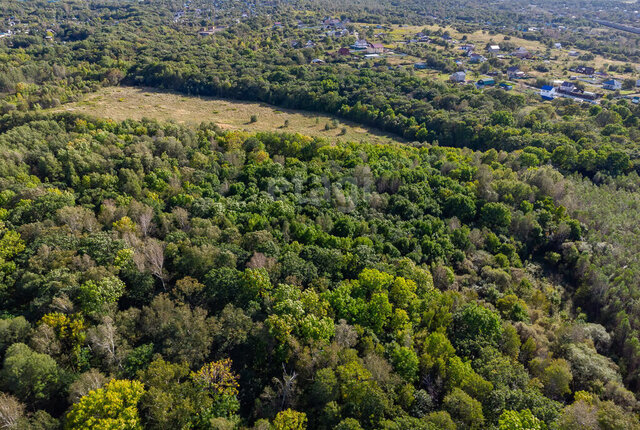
column 120, row 103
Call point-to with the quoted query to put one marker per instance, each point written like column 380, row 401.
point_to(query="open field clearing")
column 482, row 37
column 479, row 37
column 120, row 103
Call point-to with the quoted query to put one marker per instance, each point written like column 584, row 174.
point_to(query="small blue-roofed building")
column 547, row 92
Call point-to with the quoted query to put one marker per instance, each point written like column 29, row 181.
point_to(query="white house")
column 375, row 48
column 515, row 73
column 547, row 92
column 493, row 49
column 612, row 85
column 360, row 44
column 567, row 87
column 476, row 58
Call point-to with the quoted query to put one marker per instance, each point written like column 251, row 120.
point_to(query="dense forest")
column 481, row 275
column 380, row 285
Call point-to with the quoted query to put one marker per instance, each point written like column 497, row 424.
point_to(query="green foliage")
column 94, row 297
column 31, row 376
column 496, row 216
column 504, row 118
column 512, row 308
column 441, row 420
column 461, row 375
column 464, row 409
column 555, row 376
column 10, row 245
column 365, row 285
column 460, row 206
column 474, row 327
column 524, row 419
column 405, row 278
column 13, row 330
column 405, row 361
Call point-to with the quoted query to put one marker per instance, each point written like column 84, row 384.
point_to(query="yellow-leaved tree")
column 115, row 406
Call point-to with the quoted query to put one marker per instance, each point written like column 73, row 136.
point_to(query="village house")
column 317, row 61
column 612, row 85
column 514, row 72
column 458, row 77
column 360, row 44
column 207, row 31
column 493, row 49
column 338, row 33
column 567, row 87
column 583, row 70
column 485, row 82
column 467, row 47
column 420, row 66
column 521, row 53
column 557, row 45
column 421, row 37
column 476, row 58
column 547, row 92
column 569, row 90
column 375, row 48
column 332, row 22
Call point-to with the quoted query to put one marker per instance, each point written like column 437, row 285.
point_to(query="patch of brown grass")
column 120, row 103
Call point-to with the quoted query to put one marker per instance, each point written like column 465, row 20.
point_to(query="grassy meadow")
column 120, row 103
